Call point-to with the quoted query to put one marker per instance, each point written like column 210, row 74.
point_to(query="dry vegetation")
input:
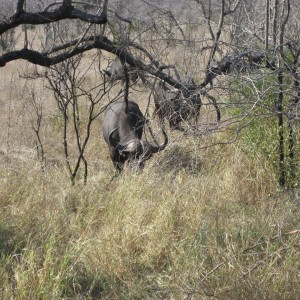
column 193, row 225
column 203, row 220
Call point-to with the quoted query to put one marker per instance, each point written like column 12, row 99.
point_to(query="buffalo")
column 176, row 105
column 122, row 129
column 115, row 72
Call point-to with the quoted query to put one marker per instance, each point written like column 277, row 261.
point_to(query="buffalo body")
column 176, row 105
column 122, row 131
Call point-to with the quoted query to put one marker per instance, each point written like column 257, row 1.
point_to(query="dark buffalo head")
column 123, row 130
column 176, row 105
column 115, row 72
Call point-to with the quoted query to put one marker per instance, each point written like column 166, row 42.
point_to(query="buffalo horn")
column 162, row 146
column 113, row 142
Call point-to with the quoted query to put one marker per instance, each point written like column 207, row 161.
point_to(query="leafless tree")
column 79, row 108
column 36, row 106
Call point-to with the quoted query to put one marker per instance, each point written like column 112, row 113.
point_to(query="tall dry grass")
column 153, row 235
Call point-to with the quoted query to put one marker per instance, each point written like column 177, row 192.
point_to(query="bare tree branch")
column 20, row 6
column 44, row 17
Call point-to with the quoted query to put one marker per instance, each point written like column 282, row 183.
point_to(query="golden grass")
column 152, row 235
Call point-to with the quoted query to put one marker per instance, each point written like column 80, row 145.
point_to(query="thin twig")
column 212, row 271
column 264, row 260
column 272, row 239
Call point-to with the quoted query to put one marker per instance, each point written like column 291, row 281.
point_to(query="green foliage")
column 260, row 133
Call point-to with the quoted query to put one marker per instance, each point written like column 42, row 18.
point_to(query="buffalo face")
column 136, row 151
